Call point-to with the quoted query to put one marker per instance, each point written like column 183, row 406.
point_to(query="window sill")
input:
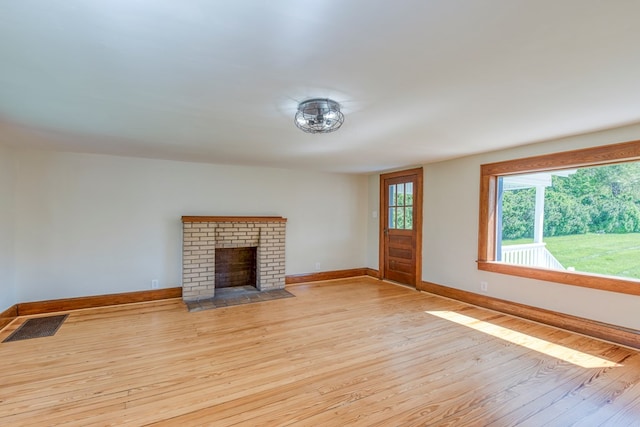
column 593, row 281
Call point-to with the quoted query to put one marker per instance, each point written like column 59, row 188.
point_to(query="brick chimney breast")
column 201, row 235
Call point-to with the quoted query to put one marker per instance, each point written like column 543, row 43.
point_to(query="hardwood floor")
column 348, row 352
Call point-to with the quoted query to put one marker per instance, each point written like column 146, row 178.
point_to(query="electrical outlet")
column 154, row 284
column 317, row 266
column 484, row 286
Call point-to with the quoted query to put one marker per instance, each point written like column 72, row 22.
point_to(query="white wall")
column 93, row 224
column 450, row 237
column 373, row 229
column 7, row 204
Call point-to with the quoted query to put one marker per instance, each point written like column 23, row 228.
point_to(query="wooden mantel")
column 233, row 219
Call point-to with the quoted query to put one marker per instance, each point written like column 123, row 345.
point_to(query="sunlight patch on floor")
column 550, row 349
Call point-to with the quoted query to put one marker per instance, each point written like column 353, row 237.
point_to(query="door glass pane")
column 409, row 194
column 392, row 217
column 400, row 220
column 408, row 221
column 392, row 196
column 400, row 195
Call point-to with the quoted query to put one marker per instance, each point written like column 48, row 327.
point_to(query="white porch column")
column 538, row 226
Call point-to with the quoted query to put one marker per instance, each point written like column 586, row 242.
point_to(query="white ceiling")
column 219, row 81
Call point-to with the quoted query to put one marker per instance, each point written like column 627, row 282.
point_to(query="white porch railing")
column 531, row 255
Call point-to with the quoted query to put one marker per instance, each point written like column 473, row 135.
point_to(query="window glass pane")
column 585, row 219
column 392, row 217
column 392, row 196
column 408, row 221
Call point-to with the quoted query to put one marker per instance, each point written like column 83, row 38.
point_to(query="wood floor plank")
column 617, row 403
column 586, row 398
column 348, row 352
column 331, row 390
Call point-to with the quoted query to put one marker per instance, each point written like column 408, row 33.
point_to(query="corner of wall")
column 7, row 225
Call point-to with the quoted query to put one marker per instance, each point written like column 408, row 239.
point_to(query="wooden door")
column 401, row 226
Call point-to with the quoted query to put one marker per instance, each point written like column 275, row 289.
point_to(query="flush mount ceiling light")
column 319, row 115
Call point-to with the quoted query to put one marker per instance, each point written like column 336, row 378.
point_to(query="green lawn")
column 611, row 254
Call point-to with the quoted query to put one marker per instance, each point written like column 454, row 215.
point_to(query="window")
column 571, row 217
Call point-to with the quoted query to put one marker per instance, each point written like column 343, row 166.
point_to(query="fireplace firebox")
column 235, row 267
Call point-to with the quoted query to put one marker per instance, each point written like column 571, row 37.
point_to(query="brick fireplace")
column 202, row 235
